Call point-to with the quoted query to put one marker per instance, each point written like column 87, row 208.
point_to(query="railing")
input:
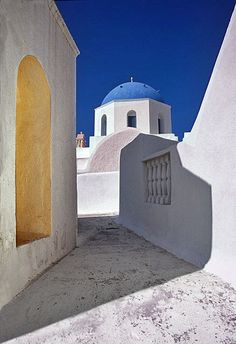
column 158, row 171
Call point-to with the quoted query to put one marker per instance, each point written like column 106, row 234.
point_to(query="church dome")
column 132, row 90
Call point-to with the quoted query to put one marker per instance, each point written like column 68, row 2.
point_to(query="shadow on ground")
column 109, row 263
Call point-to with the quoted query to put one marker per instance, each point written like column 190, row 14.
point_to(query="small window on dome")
column 131, row 119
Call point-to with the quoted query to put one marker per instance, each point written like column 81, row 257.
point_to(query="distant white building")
column 128, row 110
column 129, row 105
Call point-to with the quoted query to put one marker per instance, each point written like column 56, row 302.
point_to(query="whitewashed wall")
column 162, row 111
column 200, row 223
column 29, row 28
column 98, row 185
column 147, row 111
column 98, row 193
column 210, row 153
column 183, row 227
column 108, row 110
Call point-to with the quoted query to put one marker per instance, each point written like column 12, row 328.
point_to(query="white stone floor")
column 118, row 288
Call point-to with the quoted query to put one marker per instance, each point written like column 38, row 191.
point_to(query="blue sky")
column 170, row 45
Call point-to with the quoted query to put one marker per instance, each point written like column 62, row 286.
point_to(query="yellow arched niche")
column 33, row 152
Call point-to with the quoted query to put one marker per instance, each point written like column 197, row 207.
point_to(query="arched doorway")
column 33, row 152
column 104, row 125
column 131, row 119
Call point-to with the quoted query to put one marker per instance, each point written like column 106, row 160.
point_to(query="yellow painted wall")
column 33, row 152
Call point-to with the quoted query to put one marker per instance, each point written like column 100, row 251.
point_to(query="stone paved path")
column 118, row 288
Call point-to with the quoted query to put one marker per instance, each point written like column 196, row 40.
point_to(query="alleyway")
column 119, row 288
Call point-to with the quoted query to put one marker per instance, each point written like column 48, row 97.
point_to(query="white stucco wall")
column 184, row 226
column 82, row 157
column 82, row 152
column 141, row 107
column 108, row 110
column 98, row 184
column 98, row 193
column 147, row 112
column 199, row 225
column 29, row 28
column 94, row 141
column 162, row 111
column 210, row 153
column 82, row 164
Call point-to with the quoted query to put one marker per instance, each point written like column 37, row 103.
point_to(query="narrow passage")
column 118, row 288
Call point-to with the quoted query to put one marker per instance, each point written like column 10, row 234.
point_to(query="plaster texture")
column 82, row 164
column 103, row 154
column 106, row 157
column 33, row 139
column 118, row 288
column 210, row 154
column 36, row 28
column 98, row 183
column 107, row 110
column 94, row 141
column 147, row 113
column 82, row 158
column 98, row 193
column 82, row 152
column 183, row 227
column 199, row 225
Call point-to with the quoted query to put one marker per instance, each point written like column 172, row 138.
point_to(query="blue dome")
column 132, row 90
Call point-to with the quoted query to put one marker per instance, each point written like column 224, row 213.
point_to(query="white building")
column 128, row 110
column 132, row 104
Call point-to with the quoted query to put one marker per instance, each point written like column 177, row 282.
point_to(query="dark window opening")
column 104, row 125
column 131, row 119
column 159, row 126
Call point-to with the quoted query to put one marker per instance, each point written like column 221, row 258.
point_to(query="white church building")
column 125, row 112
column 129, row 105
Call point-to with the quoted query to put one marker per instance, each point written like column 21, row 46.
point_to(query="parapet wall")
column 163, row 202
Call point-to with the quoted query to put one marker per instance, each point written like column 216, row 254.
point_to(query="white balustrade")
column 159, row 179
